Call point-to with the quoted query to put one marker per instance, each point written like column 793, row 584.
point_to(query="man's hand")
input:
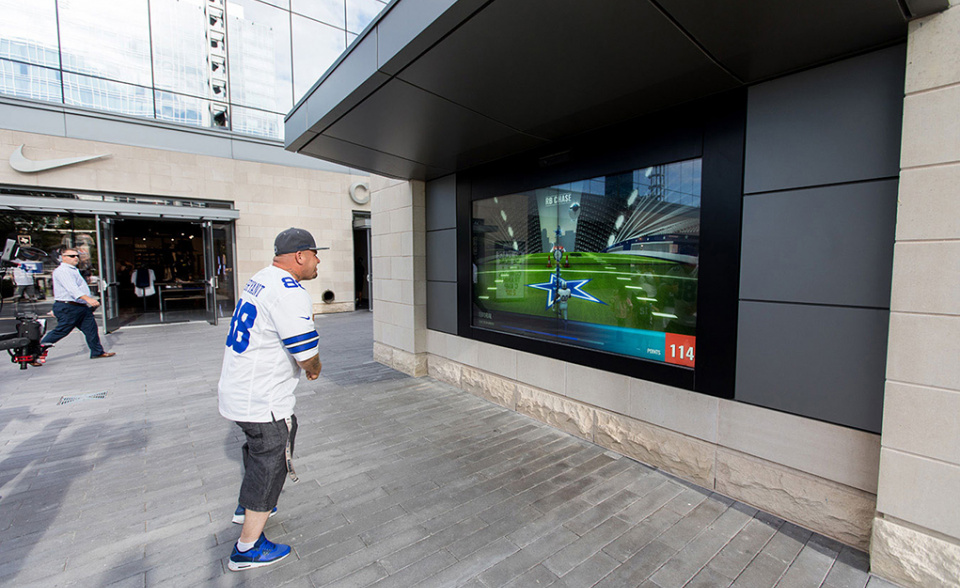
column 311, row 366
column 93, row 302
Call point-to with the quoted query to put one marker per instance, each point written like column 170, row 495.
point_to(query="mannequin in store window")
column 143, row 282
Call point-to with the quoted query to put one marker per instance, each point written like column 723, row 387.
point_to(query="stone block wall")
column 916, row 532
column 270, row 198
column 398, row 228
column 815, row 474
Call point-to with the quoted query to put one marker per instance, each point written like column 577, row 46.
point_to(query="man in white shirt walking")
column 271, row 338
column 74, row 305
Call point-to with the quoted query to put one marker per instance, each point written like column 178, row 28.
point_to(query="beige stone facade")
column 270, row 198
column 398, row 245
column 916, row 532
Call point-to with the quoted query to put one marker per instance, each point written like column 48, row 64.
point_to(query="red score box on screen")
column 681, row 349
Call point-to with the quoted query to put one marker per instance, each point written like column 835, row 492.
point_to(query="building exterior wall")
column 398, row 243
column 817, row 242
column 916, row 533
column 270, row 198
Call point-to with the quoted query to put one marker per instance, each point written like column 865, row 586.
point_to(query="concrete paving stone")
column 740, row 551
column 641, row 535
column 709, row 578
column 28, row 569
column 379, row 454
column 397, row 525
column 468, row 509
column 687, row 500
column 362, row 577
column 530, row 556
column 472, row 565
column 571, row 556
column 589, row 572
column 695, row 554
column 650, row 502
column 764, row 570
column 412, row 575
column 538, row 576
column 565, row 493
column 876, row 582
column 49, row 547
column 598, row 514
column 546, row 523
column 850, row 570
column 199, row 566
column 352, row 529
column 811, row 566
column 327, row 555
column 613, row 484
column 387, row 500
column 369, row 554
column 168, row 547
column 787, row 542
column 638, row 568
column 422, row 549
column 491, row 533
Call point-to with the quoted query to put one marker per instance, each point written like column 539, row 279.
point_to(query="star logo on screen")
column 575, row 287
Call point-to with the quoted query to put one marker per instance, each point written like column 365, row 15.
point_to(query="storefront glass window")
column 41, row 238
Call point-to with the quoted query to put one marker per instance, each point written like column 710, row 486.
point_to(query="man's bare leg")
column 253, row 524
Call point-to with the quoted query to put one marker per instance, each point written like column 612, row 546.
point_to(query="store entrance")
column 171, row 271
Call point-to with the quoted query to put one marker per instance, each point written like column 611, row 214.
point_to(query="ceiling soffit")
column 511, row 75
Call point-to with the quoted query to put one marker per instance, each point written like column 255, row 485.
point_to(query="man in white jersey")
column 271, row 337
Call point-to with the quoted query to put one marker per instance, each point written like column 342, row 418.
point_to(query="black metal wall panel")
column 441, row 259
column 828, row 245
column 823, row 362
column 442, row 307
column 441, row 197
column 833, row 124
column 441, row 213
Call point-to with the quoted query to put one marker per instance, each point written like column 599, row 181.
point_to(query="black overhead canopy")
column 437, row 86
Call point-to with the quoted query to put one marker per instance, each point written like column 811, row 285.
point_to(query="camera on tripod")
column 23, row 344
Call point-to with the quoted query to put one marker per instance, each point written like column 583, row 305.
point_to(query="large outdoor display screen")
column 607, row 263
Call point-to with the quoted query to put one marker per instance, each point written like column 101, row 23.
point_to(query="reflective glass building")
column 237, row 65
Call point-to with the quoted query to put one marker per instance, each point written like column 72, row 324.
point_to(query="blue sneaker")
column 263, row 553
column 240, row 514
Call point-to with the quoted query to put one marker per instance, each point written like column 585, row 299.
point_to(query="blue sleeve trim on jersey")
column 304, row 347
column 299, row 338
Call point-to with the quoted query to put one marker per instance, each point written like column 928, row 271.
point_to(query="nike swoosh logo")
column 28, row 166
column 306, row 318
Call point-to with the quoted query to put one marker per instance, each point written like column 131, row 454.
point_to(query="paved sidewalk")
column 403, row 482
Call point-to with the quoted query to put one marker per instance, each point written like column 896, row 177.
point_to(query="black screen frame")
column 712, row 129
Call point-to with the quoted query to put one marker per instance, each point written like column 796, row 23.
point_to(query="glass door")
column 210, row 273
column 108, row 276
column 224, row 262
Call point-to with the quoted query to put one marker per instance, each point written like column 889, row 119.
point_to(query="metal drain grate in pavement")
column 82, row 397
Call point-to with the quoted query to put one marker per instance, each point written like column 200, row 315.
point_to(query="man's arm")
column 311, row 366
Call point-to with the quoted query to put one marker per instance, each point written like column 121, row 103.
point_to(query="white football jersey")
column 271, row 329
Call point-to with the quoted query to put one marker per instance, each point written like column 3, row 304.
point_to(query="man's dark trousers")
column 70, row 316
